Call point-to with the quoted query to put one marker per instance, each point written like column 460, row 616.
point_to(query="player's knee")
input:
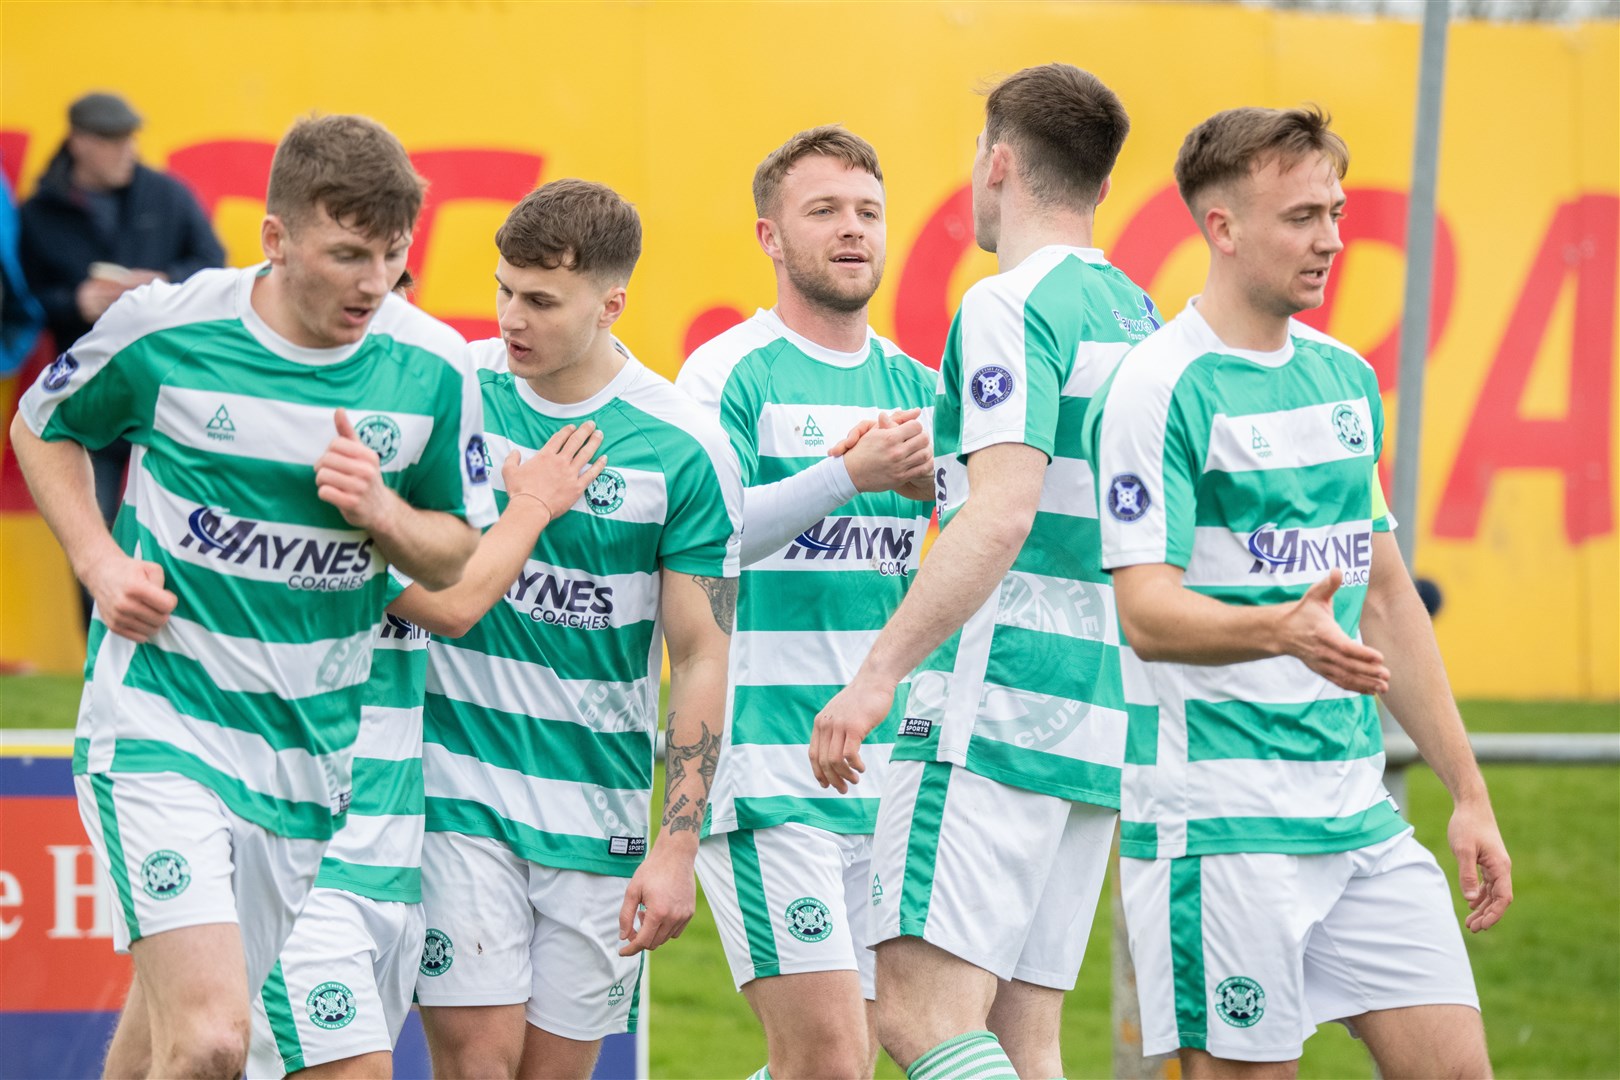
column 218, row 1050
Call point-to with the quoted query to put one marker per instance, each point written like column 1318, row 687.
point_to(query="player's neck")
column 1025, row 230
column 840, row 331
column 1236, row 321
column 584, row 378
column 271, row 304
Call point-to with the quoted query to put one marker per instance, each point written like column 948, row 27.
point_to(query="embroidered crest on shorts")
column 1240, row 1001
column 331, row 1005
column 437, row 953
column 165, row 874
column 808, row 919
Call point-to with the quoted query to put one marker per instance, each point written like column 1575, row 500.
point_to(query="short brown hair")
column 575, row 224
column 1235, row 143
column 354, row 168
column 1065, row 127
column 828, row 140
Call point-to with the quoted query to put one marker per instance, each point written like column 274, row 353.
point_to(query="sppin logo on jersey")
column 1288, row 551
column 380, row 435
column 312, row 565
column 1128, row 497
column 1142, row 325
column 477, row 460
column 60, row 372
column 991, row 385
column 577, row 603
column 885, row 548
column 1347, row 426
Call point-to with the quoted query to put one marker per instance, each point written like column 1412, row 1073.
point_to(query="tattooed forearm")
column 722, row 593
column 683, row 810
column 674, row 764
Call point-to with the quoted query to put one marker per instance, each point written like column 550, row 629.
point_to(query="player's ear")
column 1001, row 164
column 1219, row 228
column 765, row 233
column 1107, row 186
column 612, row 307
column 273, row 239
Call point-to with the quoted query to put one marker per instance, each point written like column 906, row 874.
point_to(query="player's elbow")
column 1144, row 632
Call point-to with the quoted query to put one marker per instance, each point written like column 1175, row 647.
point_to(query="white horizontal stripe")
column 628, row 598
column 1287, row 557
column 783, row 427
column 1094, row 361
column 379, row 840
column 645, row 498
column 218, row 539
column 1053, row 725
column 389, row 734
column 293, row 774
column 794, row 658
column 557, row 806
column 859, row 542
column 271, row 430
column 1052, row 605
column 1292, row 438
column 1069, row 489
column 250, row 666
column 1263, row 788
column 757, row 771
column 523, row 689
column 1276, row 680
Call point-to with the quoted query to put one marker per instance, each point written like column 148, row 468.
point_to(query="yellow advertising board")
column 674, row 104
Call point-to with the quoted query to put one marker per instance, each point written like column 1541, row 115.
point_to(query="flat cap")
column 103, row 114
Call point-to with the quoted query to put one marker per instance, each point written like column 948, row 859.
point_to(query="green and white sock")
column 764, row 1072
column 974, row 1056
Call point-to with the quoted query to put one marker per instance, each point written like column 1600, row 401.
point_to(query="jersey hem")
column 1108, row 800
column 620, row 866
column 825, row 822
column 1137, row 849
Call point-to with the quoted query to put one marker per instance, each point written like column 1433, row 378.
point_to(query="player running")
column 1000, row 801
column 829, row 545
column 538, row 884
column 236, row 608
column 1269, row 882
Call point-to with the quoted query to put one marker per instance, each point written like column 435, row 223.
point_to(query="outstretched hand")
column 891, row 453
column 1313, row 635
column 558, row 474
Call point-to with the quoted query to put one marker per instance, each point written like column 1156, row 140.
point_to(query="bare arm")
column 1419, row 697
column 1164, row 621
column 698, row 616
column 429, row 546
column 965, row 565
column 129, row 592
column 537, row 490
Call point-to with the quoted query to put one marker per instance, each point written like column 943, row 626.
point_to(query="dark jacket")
column 161, row 227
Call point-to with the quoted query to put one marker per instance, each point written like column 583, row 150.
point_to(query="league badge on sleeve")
column 477, row 460
column 60, row 371
column 1128, row 497
column 990, row 386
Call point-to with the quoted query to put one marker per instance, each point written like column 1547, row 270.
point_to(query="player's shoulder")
column 909, row 366
column 488, row 354
column 718, row 356
column 1162, row 359
column 679, row 427
column 1314, row 340
column 407, row 324
column 206, row 296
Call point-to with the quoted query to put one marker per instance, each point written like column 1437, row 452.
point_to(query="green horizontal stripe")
column 1142, row 735
column 1285, row 836
column 562, row 850
column 546, row 748
column 1347, row 602
column 850, row 816
column 276, row 491
column 879, row 382
column 402, row 884
column 268, row 611
column 784, row 715
column 384, row 787
column 1307, row 497
column 608, row 654
column 944, row 657
column 1061, row 546
column 81, row 757
column 1046, row 773
column 819, row 598
column 1337, row 729
column 1068, row 441
column 299, row 820
column 321, row 724
column 398, row 678
column 1138, row 839
column 1056, row 665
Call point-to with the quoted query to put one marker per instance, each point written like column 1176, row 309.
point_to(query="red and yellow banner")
column 674, row 104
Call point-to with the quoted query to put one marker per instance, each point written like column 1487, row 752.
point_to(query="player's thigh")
column 1389, row 960
column 1201, row 1065
column 475, row 900
column 581, row 988
column 331, row 998
column 947, row 868
column 815, row 1022
column 1218, row 942
column 782, row 901
column 1061, row 925
column 375, row 1066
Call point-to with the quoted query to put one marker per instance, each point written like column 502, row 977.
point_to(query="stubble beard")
column 815, row 282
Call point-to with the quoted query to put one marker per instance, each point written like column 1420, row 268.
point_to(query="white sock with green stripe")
column 764, row 1072
column 974, row 1056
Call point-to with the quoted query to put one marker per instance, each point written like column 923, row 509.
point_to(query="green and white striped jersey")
column 378, row 852
column 1256, row 474
column 1028, row 692
column 808, row 613
column 540, row 721
column 253, row 686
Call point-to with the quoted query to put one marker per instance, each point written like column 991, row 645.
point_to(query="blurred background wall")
column 674, row 104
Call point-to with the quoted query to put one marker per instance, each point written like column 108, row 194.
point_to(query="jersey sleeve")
column 703, row 530
column 453, row 474
column 1382, row 519
column 1011, row 372
column 731, row 394
column 1147, row 469
column 104, row 386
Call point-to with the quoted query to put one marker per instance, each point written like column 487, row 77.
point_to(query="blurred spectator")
column 101, row 223
column 20, row 314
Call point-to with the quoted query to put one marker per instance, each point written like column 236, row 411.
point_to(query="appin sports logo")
column 991, row 385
